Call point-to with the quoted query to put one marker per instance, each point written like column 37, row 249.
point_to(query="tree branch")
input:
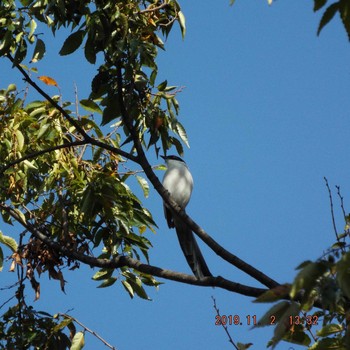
column 121, row 261
column 152, row 9
column 39, row 153
column 142, row 160
column 88, row 139
column 89, row 331
column 332, row 209
column 224, row 326
column 216, row 247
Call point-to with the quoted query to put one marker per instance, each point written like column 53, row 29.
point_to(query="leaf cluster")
column 21, row 327
column 77, row 196
column 323, row 285
column 127, row 36
column 53, row 178
column 60, row 173
column 341, row 7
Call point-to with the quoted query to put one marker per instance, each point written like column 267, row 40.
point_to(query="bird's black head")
column 173, row 158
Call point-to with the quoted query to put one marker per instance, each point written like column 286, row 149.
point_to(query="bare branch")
column 223, row 325
column 332, row 209
column 341, row 200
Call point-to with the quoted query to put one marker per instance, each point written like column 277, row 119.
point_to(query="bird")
column 178, row 182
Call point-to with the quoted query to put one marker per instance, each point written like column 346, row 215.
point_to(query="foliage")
column 340, row 7
column 317, row 314
column 23, row 328
column 66, row 184
column 63, row 179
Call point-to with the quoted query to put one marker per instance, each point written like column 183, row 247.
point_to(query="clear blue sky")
column 266, row 107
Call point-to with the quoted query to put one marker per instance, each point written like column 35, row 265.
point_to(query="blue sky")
column 266, row 108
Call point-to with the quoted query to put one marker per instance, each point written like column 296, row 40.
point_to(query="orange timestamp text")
column 251, row 320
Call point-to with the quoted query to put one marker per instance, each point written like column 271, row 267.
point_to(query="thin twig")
column 152, row 9
column 89, row 330
column 223, row 325
column 332, row 209
column 39, row 153
column 7, row 301
column 71, row 120
column 29, row 80
column 308, row 328
column 341, row 200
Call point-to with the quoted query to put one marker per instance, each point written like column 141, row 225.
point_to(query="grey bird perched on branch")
column 179, row 182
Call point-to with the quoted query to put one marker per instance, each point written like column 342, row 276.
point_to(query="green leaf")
column 107, row 282
column 78, row 341
column 273, row 315
column 141, row 81
column 128, row 288
column 42, row 130
column 21, row 215
column 161, row 167
column 21, row 52
column 89, row 50
column 144, row 185
column 66, row 321
column 11, row 88
column 241, row 346
column 284, row 323
column 6, row 43
column 177, row 145
column 136, row 284
column 72, row 43
column 29, row 165
column 32, row 26
column 330, row 329
column 345, row 15
column 328, row 344
column 102, row 274
column 91, row 106
column 307, row 278
column 297, row 335
column 20, row 140
column 274, row 294
column 343, row 274
column 112, row 110
column 318, row 4
column 39, row 51
column 182, row 23
column 162, row 85
column 327, row 16
column 9, row 242
column 182, row 133
column 34, row 105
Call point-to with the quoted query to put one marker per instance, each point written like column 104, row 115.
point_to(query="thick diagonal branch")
column 216, row 247
column 121, row 261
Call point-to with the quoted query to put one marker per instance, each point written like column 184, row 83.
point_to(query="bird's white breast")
column 179, row 182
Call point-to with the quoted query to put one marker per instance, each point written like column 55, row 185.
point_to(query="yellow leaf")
column 48, row 81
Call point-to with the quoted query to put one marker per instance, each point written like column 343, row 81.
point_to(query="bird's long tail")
column 191, row 250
